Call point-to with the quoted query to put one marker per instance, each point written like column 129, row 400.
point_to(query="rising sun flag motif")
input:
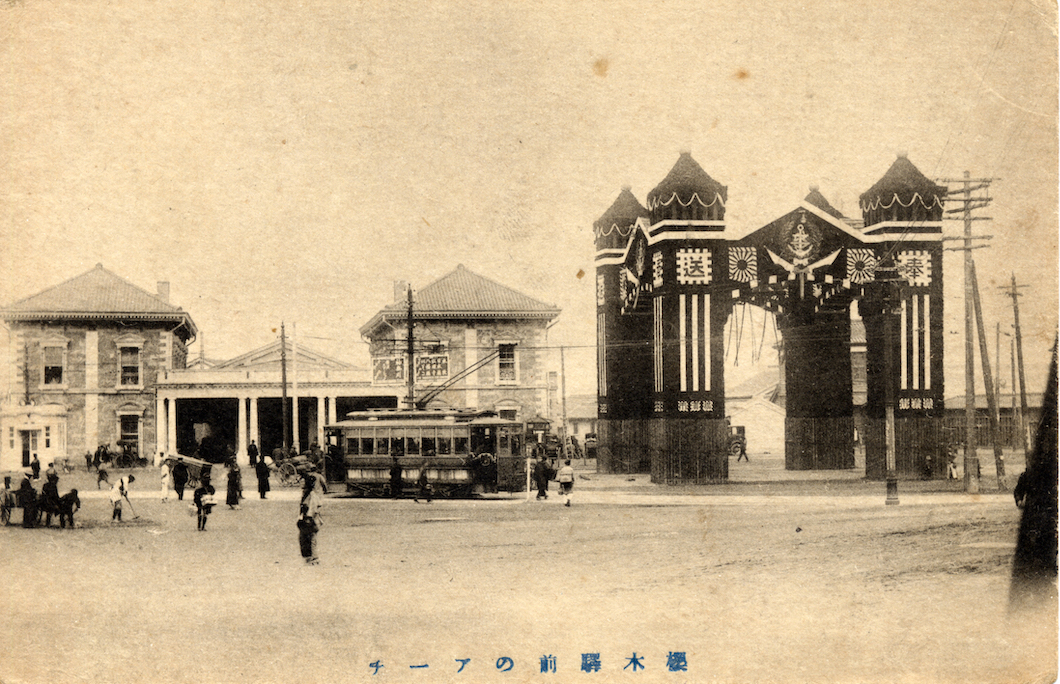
column 861, row 265
column 743, row 264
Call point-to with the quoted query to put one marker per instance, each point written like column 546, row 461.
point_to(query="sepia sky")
column 277, row 163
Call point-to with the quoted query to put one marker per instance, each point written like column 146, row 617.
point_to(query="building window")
column 506, row 371
column 47, row 437
column 130, row 366
column 130, row 435
column 11, row 437
column 508, row 414
column 53, row 365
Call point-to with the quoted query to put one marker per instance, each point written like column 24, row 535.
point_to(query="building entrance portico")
column 218, row 411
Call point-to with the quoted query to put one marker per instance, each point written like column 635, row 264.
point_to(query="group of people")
column 544, row 473
column 39, row 506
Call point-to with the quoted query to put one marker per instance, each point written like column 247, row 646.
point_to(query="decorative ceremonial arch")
column 668, row 277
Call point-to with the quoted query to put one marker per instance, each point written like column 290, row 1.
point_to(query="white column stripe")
column 927, row 341
column 903, row 351
column 706, row 338
column 914, row 320
column 695, row 343
column 683, row 345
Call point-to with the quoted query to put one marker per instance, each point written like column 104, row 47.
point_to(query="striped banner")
column 694, row 334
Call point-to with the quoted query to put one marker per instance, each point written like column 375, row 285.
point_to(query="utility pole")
column 1017, row 418
column 563, row 400
column 283, row 385
column 988, row 382
column 411, row 400
column 997, row 385
column 969, row 203
column 1013, row 291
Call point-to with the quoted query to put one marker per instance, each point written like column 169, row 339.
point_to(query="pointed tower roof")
column 818, row 200
column 97, row 294
column 463, row 294
column 612, row 230
column 685, row 180
column 904, row 181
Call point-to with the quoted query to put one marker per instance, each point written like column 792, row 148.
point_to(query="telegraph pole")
column 1013, row 291
column 988, row 383
column 969, row 204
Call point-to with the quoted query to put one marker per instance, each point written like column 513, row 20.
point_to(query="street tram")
column 466, row 452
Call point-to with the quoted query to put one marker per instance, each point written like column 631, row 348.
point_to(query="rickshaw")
column 197, row 468
column 289, row 469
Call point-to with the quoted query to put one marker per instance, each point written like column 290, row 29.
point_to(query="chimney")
column 401, row 291
column 163, row 290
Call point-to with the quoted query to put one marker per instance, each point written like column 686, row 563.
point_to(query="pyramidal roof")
column 617, row 222
column 686, row 178
column 97, row 294
column 903, row 179
column 821, row 202
column 463, row 294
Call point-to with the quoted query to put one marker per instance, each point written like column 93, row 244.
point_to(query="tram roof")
column 420, row 418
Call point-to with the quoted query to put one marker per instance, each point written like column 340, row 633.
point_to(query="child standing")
column 566, row 481
column 204, row 502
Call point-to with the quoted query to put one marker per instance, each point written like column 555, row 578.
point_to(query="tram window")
column 460, row 444
column 445, row 441
column 412, row 442
column 351, row 446
column 429, row 443
column 397, row 441
column 366, row 445
column 382, row 445
column 503, row 438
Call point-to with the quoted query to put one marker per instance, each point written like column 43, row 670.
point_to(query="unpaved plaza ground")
column 826, row 587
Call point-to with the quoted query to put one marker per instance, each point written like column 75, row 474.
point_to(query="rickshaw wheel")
column 288, row 474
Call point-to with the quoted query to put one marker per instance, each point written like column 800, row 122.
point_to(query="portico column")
column 161, row 434
column 254, row 421
column 241, row 449
column 332, row 410
column 321, row 419
column 171, row 425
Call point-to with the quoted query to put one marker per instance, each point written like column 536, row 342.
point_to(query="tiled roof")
column 98, row 293
column 462, row 293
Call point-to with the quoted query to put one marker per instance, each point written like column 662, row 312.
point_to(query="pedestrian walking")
column 180, row 478
column 119, row 492
column 49, row 499
column 566, row 481
column 88, row 461
column 261, row 469
column 34, row 466
column 235, row 485
column 309, row 519
column 101, row 475
column 204, row 502
column 395, row 478
column 252, row 452
column 164, row 474
column 542, row 474
column 69, row 504
column 423, row 484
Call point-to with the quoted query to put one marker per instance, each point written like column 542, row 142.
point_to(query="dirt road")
column 743, row 589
